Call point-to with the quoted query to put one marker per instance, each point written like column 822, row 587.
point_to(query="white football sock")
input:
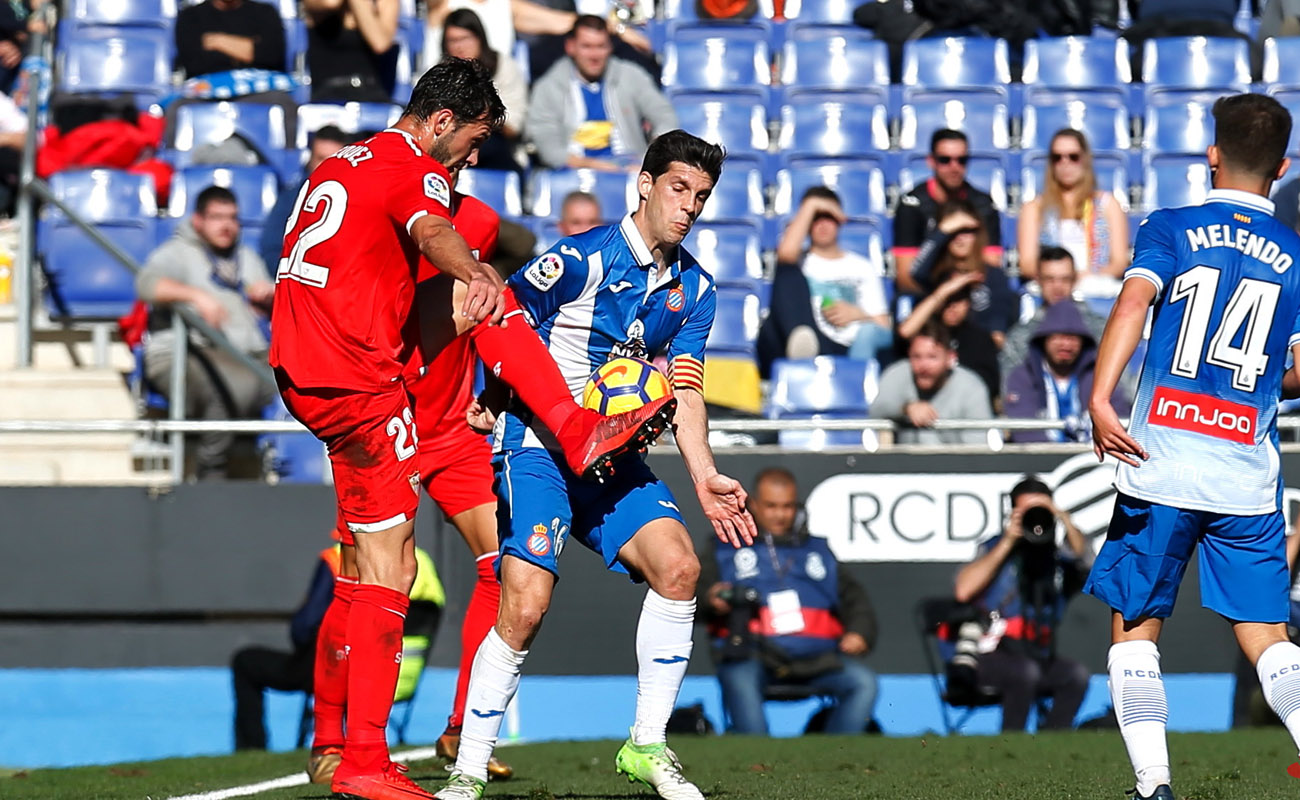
column 492, row 683
column 663, row 652
column 1140, row 706
column 1279, row 674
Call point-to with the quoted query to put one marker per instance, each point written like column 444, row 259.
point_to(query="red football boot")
column 389, row 782
column 591, row 441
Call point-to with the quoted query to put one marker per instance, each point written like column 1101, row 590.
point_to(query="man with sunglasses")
column 918, row 210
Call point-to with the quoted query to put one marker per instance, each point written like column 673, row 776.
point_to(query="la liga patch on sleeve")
column 545, row 271
column 435, row 186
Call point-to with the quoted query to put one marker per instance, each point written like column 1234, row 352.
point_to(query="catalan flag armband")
column 686, row 372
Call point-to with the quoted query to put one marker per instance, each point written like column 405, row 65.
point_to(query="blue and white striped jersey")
column 1224, row 318
column 597, row 296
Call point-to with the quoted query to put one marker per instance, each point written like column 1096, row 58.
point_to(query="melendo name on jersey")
column 1252, row 244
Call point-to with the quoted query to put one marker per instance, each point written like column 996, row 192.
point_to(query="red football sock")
column 516, row 355
column 375, row 647
column 330, row 672
column 480, row 616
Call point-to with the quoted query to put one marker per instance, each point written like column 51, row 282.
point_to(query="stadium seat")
column 291, row 457
column 1195, row 63
column 718, row 58
column 84, row 281
column 735, row 323
column 732, row 254
column 982, row 119
column 965, row 65
column 349, row 117
column 105, row 195
column 198, row 124
column 820, row 12
column 860, row 185
column 985, row 173
column 815, row 126
column 730, row 120
column 1182, row 127
column 826, row 387
column 840, row 62
column 868, row 239
column 500, row 189
column 255, row 188
column 1279, row 51
column 1076, row 64
column 738, row 195
column 1174, row 181
column 1102, row 119
column 122, row 13
column 615, row 191
column 131, row 60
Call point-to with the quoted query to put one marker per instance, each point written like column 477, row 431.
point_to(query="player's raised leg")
column 660, row 552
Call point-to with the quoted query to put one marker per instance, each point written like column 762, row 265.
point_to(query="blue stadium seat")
column 817, row 125
column 615, row 191
column 732, row 254
column 1173, row 181
column 129, row 60
column 734, row 121
column 349, row 117
column 820, row 12
column 738, row 195
column 718, row 58
column 198, row 124
column 984, row 120
column 1102, row 119
column 822, row 385
column 500, row 189
column 1184, row 127
column 860, row 185
column 1077, row 64
column 869, row 239
column 255, row 188
column 735, row 323
column 959, row 64
column 820, row 439
column 122, row 13
column 295, row 53
column 105, row 195
column 84, row 281
column 291, row 457
column 839, row 62
column 986, row 173
column 1279, row 51
column 1195, row 63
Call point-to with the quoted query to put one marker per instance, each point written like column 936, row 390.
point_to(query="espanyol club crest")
column 676, row 300
column 814, row 567
column 539, row 543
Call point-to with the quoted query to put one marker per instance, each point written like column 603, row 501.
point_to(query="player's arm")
column 445, row 248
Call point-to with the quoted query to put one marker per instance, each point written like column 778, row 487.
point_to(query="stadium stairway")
column 61, row 386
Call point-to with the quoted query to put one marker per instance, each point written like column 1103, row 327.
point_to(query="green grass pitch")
column 1250, row 765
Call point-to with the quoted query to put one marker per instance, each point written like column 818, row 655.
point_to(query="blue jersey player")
column 625, row 289
column 1199, row 462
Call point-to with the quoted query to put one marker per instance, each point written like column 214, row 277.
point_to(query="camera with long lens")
column 1039, row 527
column 745, row 601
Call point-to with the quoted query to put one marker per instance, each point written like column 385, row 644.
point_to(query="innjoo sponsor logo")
column 1201, row 413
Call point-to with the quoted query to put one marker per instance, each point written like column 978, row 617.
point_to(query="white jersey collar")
column 641, row 252
column 1240, row 198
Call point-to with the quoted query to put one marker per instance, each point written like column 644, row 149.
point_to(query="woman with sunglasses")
column 1073, row 214
column 956, row 246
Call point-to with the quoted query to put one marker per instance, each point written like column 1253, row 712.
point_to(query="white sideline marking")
column 297, row 779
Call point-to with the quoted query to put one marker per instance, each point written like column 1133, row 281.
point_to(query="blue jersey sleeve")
column 686, row 350
column 1155, row 256
column 549, row 281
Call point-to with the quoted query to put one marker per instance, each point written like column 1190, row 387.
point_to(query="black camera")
column 740, row 644
column 1039, row 527
column 740, row 595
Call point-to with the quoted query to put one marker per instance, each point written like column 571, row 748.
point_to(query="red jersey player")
column 343, row 332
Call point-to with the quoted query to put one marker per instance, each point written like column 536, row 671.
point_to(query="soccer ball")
column 624, row 384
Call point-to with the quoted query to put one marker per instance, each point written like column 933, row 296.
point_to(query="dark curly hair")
column 461, row 86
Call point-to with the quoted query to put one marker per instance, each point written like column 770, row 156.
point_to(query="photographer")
column 782, row 611
column 1020, row 582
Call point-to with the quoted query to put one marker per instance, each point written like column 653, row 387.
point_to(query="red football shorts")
column 372, row 446
column 456, row 470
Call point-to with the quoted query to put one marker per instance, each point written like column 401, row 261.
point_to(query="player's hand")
column 483, row 297
column 920, row 413
column 480, row 418
column 852, row 644
column 209, row 308
column 723, row 500
column 1110, row 438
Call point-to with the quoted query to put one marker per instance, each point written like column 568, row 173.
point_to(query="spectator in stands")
column 950, row 303
column 463, row 37
column 593, row 110
column 783, row 610
column 205, row 267
column 825, row 300
column 256, row 669
column 1024, row 578
column 1154, row 19
column 13, row 135
column 352, row 49
column 221, row 35
column 579, row 213
column 1073, row 214
column 1054, row 381
column 325, row 142
column 928, row 386
column 955, row 246
column 1057, row 278
column 918, row 210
